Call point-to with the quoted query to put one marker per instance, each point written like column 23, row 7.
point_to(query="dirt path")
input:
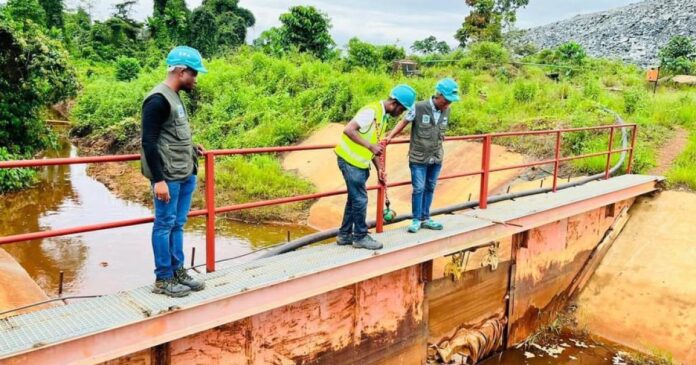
column 643, row 293
column 670, row 151
column 320, row 168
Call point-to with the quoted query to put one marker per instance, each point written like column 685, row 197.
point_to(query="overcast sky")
column 383, row 22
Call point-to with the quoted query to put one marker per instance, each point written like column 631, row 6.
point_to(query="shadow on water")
column 112, row 260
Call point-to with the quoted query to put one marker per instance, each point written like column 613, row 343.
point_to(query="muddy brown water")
column 112, row 260
column 566, row 348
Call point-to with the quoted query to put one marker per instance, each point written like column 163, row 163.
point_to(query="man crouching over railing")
column 358, row 147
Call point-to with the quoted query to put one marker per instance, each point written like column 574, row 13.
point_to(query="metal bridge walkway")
column 114, row 325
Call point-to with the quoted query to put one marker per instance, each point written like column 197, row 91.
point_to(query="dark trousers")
column 355, row 212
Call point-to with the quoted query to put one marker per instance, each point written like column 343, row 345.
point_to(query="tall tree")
column 430, row 45
column 36, row 70
column 307, row 28
column 218, row 25
column 22, row 11
column 204, row 31
column 169, row 23
column 54, row 13
column 158, row 7
column 77, row 33
column 124, row 10
column 119, row 35
column 487, row 20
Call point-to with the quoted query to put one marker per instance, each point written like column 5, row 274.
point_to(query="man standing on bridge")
column 358, row 146
column 429, row 121
column 170, row 160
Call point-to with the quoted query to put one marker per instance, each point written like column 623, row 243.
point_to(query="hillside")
column 632, row 33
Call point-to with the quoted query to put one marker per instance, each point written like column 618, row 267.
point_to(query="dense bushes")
column 14, row 179
column 678, row 55
column 35, row 73
column 252, row 99
column 127, row 68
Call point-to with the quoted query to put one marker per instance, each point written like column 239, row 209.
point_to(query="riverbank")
column 642, row 295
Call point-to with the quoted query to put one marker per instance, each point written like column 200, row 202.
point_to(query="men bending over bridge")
column 358, row 146
column 429, row 121
column 170, row 160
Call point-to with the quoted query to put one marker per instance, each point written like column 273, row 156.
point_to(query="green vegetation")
column 487, row 20
column 127, row 68
column 304, row 29
column 370, row 56
column 218, row 25
column 678, row 55
column 293, row 80
column 252, row 99
column 14, row 179
column 35, row 73
column 431, row 45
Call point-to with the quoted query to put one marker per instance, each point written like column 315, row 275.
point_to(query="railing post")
column 381, row 192
column 485, row 171
column 611, row 147
column 210, row 215
column 557, row 162
column 634, row 134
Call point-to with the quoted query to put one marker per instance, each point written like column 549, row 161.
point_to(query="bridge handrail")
column 211, row 210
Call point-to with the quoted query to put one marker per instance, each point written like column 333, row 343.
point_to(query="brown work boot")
column 185, row 279
column 171, row 287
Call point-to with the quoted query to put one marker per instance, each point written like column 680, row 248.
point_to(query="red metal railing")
column 211, row 211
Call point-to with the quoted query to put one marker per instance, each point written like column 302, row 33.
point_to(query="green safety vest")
column 174, row 144
column 356, row 154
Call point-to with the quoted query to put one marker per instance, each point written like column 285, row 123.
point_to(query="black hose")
column 324, row 235
column 327, row 234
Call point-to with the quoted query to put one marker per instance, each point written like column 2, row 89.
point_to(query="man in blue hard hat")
column 429, row 120
column 358, row 147
column 170, row 160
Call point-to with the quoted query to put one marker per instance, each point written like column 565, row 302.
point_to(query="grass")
column 263, row 178
column 250, row 99
column 683, row 172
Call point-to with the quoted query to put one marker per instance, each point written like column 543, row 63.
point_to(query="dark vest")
column 175, row 146
column 427, row 134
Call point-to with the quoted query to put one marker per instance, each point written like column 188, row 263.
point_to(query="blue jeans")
column 168, row 230
column 424, row 179
column 355, row 212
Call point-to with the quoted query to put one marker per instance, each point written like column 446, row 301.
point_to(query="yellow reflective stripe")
column 354, row 156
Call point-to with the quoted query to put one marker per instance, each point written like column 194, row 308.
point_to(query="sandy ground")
column 17, row 288
column 320, row 168
column 643, row 295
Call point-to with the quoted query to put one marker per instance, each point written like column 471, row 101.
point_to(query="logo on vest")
column 180, row 111
column 426, row 119
column 444, row 120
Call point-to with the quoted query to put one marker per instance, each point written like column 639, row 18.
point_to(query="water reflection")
column 105, row 261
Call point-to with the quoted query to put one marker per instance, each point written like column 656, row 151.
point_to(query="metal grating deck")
column 58, row 324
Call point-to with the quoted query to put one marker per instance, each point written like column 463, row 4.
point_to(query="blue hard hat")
column 186, row 56
column 405, row 95
column 449, row 89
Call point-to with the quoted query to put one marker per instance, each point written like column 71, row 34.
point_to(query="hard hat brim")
column 452, row 98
